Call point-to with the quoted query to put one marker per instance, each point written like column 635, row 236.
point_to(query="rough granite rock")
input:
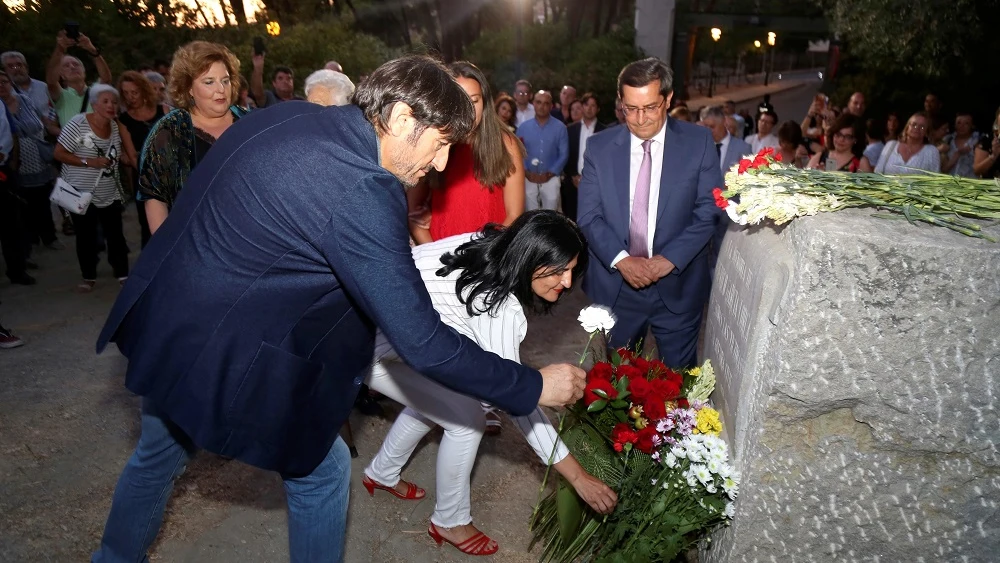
column 857, row 360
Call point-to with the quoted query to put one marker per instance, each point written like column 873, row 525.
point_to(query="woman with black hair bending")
column 480, row 284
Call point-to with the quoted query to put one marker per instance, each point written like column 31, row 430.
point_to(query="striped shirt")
column 501, row 333
column 75, row 137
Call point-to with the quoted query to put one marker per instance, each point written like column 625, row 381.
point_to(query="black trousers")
column 110, row 220
column 37, row 218
column 11, row 228
column 567, row 191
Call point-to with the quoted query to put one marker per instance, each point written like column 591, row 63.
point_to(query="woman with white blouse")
column 90, row 148
column 912, row 153
column 480, row 284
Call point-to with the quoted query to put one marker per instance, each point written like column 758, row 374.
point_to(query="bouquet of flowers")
column 762, row 187
column 648, row 432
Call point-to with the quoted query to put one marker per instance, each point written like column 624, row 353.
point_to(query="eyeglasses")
column 641, row 111
column 843, row 137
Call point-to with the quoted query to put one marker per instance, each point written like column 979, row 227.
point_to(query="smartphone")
column 72, row 30
column 258, row 45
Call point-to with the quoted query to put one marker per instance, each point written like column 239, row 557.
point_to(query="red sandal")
column 476, row 545
column 413, row 492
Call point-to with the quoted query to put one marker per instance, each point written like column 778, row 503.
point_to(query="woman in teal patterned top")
column 204, row 86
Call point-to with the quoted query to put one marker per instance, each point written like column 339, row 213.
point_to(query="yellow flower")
column 708, row 421
column 695, row 371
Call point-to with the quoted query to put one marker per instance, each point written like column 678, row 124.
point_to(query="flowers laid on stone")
column 762, row 187
column 648, row 432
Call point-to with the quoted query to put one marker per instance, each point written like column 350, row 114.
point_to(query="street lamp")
column 716, row 35
column 756, row 43
column 772, row 38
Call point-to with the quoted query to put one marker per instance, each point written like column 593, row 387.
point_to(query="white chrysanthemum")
column 714, row 466
column 670, row 460
column 702, row 473
column 679, row 451
column 724, row 470
column 731, row 487
column 695, row 455
column 710, row 487
column 730, row 510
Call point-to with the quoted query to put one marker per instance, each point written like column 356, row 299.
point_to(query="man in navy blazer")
column 647, row 209
column 583, row 129
column 249, row 319
column 731, row 150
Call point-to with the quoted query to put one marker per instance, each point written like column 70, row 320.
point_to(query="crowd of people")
column 509, row 201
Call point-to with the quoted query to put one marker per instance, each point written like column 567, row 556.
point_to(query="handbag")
column 69, row 198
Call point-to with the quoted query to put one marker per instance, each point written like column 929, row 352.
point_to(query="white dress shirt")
column 585, row 132
column 757, row 142
column 635, row 162
column 524, row 115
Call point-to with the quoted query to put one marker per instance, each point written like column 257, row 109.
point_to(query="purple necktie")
column 638, row 226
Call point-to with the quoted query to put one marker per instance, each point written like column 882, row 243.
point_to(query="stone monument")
column 857, row 363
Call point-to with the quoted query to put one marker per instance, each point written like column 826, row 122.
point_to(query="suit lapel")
column 675, row 157
column 622, row 163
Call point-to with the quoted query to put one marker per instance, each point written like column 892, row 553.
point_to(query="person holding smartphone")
column 987, row 163
column 72, row 99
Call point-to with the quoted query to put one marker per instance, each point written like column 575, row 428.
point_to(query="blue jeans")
column 317, row 503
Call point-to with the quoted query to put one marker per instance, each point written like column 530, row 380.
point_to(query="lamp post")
column 771, row 40
column 716, row 35
column 756, row 45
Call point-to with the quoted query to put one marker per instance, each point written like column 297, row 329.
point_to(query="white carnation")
column 596, row 317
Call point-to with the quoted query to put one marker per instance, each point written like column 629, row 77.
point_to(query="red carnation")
column 720, row 201
column 626, row 355
column 683, row 403
column 594, row 384
column 631, row 372
column 639, row 388
column 642, row 364
column 622, row 433
column 665, row 389
column 657, row 368
column 777, row 157
column 645, row 442
column 601, row 370
column 653, row 408
column 744, row 165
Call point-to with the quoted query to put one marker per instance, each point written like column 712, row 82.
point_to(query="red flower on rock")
column 641, row 363
column 720, row 200
column 777, row 157
column 601, row 370
column 744, row 166
column 598, row 384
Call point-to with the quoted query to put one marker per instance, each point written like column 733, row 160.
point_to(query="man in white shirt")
column 729, row 149
column 650, row 250
column 765, row 136
column 579, row 133
column 522, row 98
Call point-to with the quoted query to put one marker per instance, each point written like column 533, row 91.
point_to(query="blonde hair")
column 191, row 61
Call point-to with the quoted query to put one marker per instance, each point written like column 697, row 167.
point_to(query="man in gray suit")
column 731, row 150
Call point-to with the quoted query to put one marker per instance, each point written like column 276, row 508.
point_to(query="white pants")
column 542, row 196
column 463, row 421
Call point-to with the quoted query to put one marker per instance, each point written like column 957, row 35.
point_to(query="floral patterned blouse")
column 171, row 151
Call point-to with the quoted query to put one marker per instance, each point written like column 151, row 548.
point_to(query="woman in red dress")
column 482, row 183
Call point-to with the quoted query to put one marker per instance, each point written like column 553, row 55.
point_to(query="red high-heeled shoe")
column 476, row 545
column 413, row 492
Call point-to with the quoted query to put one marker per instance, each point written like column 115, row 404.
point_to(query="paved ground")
column 67, row 426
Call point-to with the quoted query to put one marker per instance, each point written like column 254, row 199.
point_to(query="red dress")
column 462, row 204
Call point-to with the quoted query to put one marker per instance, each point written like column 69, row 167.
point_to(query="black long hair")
column 502, row 261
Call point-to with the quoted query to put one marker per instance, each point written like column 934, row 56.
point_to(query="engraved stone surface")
column 857, row 361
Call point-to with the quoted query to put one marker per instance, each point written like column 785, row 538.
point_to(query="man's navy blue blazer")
column 249, row 319
column 686, row 215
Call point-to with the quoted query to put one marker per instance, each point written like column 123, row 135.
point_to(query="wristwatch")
column 84, row 161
